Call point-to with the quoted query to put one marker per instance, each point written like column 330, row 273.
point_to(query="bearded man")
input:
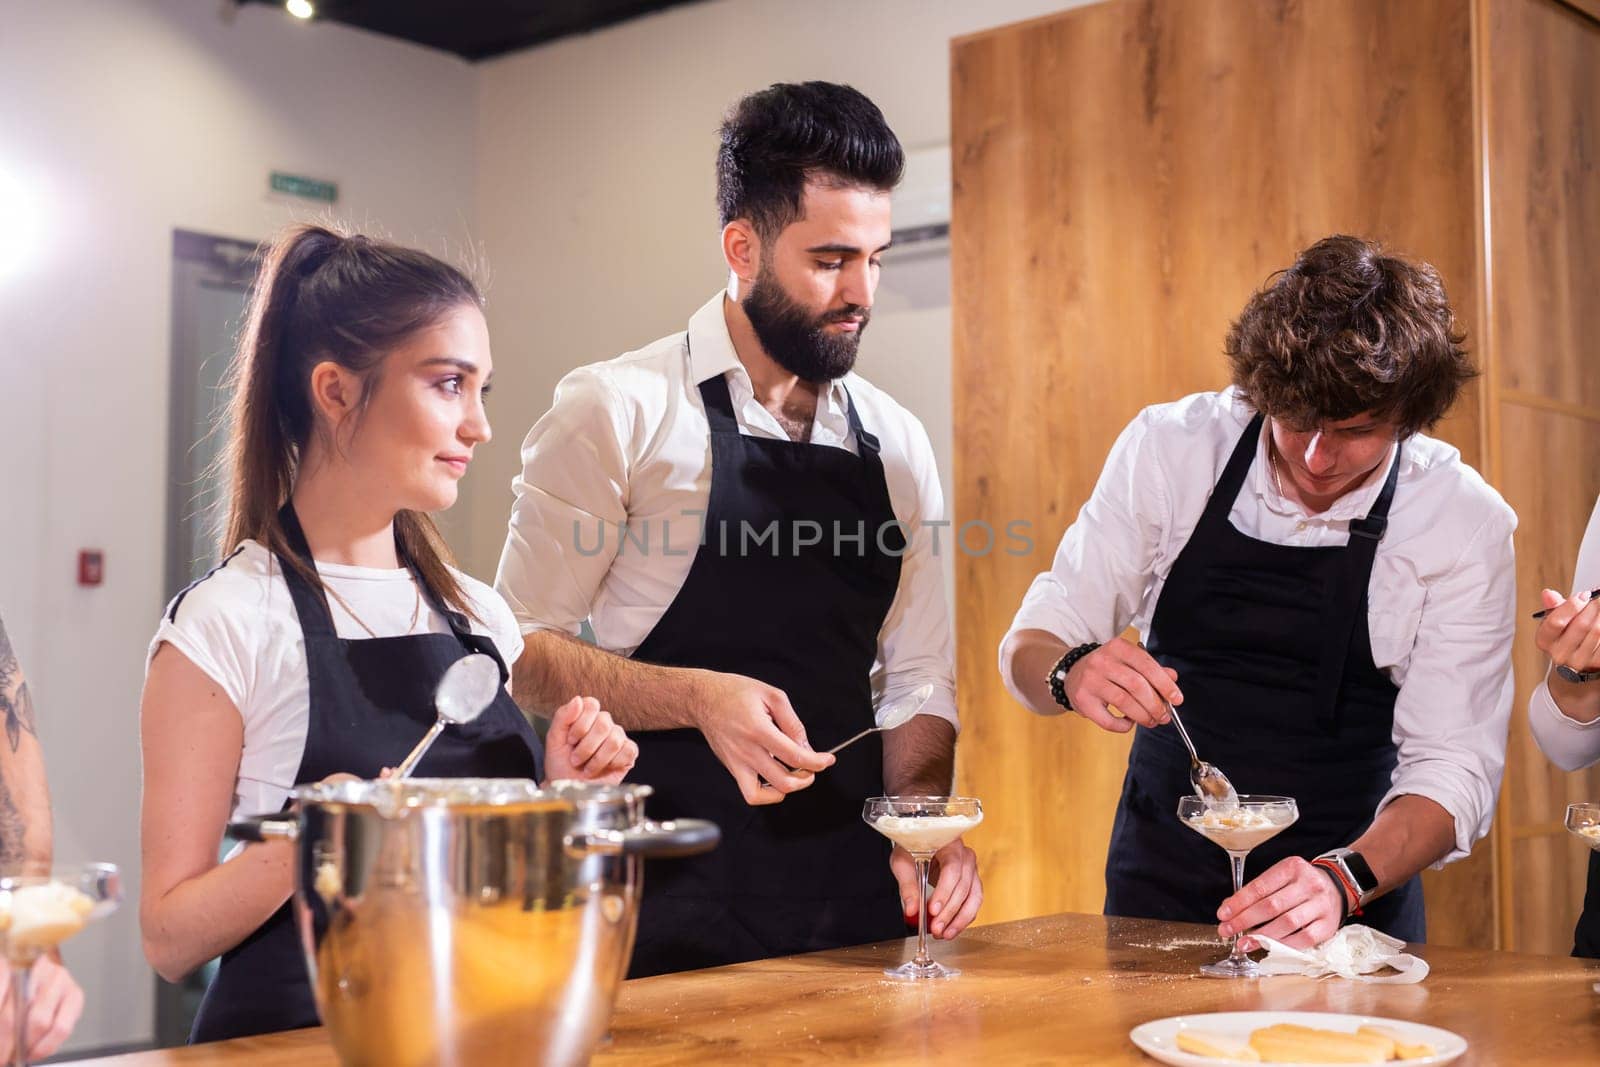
column 744, row 522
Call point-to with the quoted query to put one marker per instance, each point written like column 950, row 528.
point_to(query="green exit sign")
column 305, row 188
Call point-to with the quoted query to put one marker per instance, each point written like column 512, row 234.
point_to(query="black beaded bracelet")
column 1058, row 673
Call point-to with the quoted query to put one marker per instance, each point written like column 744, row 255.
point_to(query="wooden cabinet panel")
column 1544, row 157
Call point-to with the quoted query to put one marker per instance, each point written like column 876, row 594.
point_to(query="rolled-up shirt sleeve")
column 573, row 484
column 1103, row 565
column 1454, row 707
column 1569, row 743
column 915, row 645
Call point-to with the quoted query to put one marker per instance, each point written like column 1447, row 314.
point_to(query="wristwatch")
column 1058, row 673
column 1353, row 869
column 1576, row 676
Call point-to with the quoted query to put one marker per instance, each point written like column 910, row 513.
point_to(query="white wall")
column 595, row 191
column 128, row 119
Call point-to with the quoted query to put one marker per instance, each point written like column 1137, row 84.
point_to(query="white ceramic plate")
column 1160, row 1038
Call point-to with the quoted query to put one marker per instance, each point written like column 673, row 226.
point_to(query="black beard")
column 795, row 339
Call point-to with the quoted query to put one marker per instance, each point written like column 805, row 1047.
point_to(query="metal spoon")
column 1210, row 783
column 892, row 715
column 468, row 687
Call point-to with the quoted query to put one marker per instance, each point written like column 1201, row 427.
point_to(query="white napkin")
column 1354, row 952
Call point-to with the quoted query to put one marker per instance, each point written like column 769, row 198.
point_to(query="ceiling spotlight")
column 300, row 9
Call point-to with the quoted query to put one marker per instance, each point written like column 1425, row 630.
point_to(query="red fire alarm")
column 91, row 566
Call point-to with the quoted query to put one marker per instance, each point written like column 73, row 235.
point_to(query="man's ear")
column 741, row 249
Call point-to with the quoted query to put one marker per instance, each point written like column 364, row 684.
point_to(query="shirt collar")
column 710, row 345
column 1353, row 504
column 711, row 353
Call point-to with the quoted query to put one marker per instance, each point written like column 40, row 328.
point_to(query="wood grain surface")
column 1541, row 96
column 1065, row 990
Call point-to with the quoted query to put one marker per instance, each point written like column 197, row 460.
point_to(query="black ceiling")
column 479, row 29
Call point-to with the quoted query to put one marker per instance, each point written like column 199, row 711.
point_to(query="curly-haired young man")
column 1326, row 592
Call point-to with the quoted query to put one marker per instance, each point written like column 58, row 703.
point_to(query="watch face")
column 1569, row 674
column 1360, row 872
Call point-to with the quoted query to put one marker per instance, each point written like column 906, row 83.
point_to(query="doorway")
column 211, row 278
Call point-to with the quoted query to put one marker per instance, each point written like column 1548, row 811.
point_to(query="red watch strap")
column 1352, row 894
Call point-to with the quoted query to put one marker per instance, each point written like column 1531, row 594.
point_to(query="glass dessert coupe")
column 1583, row 820
column 1237, row 829
column 922, row 826
column 37, row 913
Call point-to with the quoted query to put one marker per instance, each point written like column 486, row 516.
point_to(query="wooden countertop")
column 1062, row 989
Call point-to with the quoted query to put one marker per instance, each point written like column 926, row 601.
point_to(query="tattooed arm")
column 57, row 1001
column 24, row 796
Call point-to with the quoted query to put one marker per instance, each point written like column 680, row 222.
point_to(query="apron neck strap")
column 311, row 602
column 1343, row 610
column 864, row 440
column 1228, row 485
column 719, row 404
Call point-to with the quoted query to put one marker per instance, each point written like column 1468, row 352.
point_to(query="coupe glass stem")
column 1235, row 953
column 923, row 959
column 19, row 1006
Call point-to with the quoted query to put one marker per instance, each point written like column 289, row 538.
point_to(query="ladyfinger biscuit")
column 1288, row 1043
column 1217, row 1046
column 1403, row 1048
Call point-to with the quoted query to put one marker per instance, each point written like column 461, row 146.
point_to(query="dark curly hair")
column 774, row 140
column 1349, row 329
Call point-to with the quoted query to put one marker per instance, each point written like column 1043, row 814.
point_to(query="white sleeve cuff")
column 1472, row 818
column 1569, row 743
column 942, row 705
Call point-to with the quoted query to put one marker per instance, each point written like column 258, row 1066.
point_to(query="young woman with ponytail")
column 314, row 647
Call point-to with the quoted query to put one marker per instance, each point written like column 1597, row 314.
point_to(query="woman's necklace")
column 416, row 611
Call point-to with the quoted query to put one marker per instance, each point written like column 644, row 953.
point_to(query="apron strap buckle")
column 1372, row 526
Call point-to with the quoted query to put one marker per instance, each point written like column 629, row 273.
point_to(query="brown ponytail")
column 322, row 295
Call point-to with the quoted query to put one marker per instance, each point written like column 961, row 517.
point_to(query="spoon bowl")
column 1211, row 784
column 468, row 687
column 893, row 715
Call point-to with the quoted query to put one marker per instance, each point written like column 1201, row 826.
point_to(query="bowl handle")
column 266, row 827
column 659, row 840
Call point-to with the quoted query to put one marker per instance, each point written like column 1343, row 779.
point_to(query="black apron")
column 807, row 873
column 371, row 702
column 1274, row 658
column 1586, row 938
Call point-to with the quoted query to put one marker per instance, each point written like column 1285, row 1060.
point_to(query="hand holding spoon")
column 468, row 687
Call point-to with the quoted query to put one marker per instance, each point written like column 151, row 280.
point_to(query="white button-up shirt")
column 1570, row 744
column 610, row 505
column 1440, row 605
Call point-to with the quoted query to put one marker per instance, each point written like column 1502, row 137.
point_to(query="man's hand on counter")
column 956, row 890
column 1291, row 902
column 751, row 726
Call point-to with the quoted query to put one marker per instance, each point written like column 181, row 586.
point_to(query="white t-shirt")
column 239, row 626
